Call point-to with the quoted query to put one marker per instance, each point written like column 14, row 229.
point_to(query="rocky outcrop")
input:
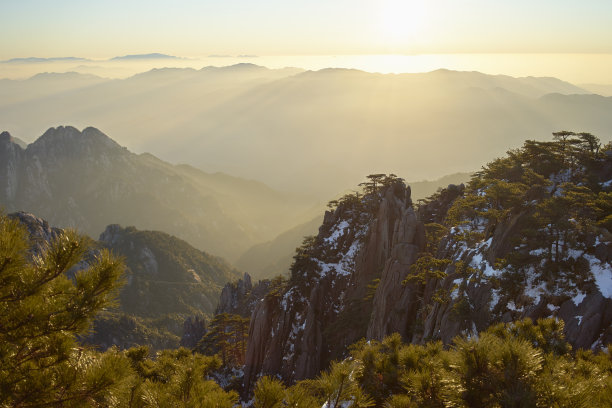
column 11, row 156
column 239, row 297
column 39, row 230
column 357, row 278
column 194, row 329
column 233, row 294
column 297, row 329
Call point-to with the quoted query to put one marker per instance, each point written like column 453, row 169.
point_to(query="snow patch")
column 602, row 272
column 337, row 232
column 578, row 298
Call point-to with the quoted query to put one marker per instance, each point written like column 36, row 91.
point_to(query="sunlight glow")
column 402, row 21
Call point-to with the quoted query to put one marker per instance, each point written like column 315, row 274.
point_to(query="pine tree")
column 41, row 310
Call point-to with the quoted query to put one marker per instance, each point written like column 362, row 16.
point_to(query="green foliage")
column 269, row 393
column 547, row 199
column 339, row 385
column 46, row 299
column 509, row 365
column 227, row 336
column 176, row 378
column 41, row 310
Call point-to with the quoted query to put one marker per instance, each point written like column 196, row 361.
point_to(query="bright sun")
column 401, row 21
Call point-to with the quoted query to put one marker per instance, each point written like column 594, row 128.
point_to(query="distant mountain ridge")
column 154, row 55
column 87, row 181
column 28, row 60
column 251, row 121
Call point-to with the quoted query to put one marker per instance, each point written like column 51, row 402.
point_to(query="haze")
column 423, row 89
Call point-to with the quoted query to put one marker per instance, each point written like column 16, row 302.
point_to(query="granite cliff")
column 528, row 237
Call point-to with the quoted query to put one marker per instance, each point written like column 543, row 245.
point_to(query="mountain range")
column 249, row 121
column 85, row 180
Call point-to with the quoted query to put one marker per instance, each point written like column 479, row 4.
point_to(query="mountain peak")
column 71, row 139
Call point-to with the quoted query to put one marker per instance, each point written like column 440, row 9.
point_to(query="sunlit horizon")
column 567, row 67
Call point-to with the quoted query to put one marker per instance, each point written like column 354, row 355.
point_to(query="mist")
column 311, row 132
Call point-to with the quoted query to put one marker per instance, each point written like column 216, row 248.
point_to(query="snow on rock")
column 578, row 298
column 341, row 404
column 602, row 273
column 482, row 264
column 337, row 232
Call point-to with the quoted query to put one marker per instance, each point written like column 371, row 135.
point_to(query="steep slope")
column 87, row 181
column 528, row 237
column 165, row 274
column 326, row 303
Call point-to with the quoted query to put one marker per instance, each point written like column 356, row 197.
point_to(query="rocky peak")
column 11, row 158
column 241, row 296
column 194, row 328
column 39, row 230
column 5, row 137
column 301, row 325
column 112, row 234
column 67, row 142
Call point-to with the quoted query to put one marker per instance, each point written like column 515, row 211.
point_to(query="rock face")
column 360, row 278
column 85, row 180
column 298, row 328
column 241, row 296
column 165, row 274
column 39, row 230
column 194, row 329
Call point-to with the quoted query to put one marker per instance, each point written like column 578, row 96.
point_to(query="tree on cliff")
column 227, row 336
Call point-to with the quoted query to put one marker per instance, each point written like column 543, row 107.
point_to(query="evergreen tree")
column 41, row 311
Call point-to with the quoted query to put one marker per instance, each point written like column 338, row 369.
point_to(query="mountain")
column 274, row 257
column 43, row 85
column 34, row 60
column 528, row 237
column 154, row 55
column 86, row 180
column 251, row 121
column 426, row 188
column 165, row 274
column 600, row 89
column 169, row 285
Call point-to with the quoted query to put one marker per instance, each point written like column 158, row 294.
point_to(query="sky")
column 103, row 29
